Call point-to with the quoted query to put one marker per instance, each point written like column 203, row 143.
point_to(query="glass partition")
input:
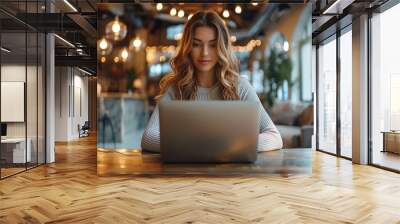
column 14, row 151
column 22, row 89
column 327, row 97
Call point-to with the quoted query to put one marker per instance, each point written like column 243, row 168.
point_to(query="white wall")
column 16, row 73
column 71, row 94
column 33, row 127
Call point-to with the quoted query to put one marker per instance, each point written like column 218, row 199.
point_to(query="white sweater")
column 268, row 139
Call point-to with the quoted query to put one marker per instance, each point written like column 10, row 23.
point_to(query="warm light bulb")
column 116, row 59
column 103, row 44
column 181, row 13
column 103, row 59
column 159, row 6
column 254, row 3
column 238, row 9
column 116, row 27
column 116, row 30
column 173, row 12
column 137, row 43
column 225, row 14
column 124, row 54
column 190, row 16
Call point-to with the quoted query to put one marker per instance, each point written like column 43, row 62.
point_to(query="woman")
column 205, row 68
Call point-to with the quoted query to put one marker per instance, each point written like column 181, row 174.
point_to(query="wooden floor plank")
column 69, row 191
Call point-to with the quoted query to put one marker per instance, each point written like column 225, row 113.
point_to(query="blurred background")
column 136, row 42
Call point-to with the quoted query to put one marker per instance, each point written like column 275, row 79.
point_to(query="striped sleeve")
column 269, row 137
column 151, row 135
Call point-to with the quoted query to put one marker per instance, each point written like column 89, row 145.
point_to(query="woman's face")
column 204, row 49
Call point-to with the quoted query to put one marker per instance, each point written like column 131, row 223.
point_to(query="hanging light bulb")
column 124, row 54
column 238, row 9
column 225, row 13
column 181, row 13
column 172, row 12
column 254, row 3
column 105, row 46
column 116, row 27
column 159, row 6
column 116, row 30
column 136, row 44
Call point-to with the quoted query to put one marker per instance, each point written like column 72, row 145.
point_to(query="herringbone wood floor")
column 69, row 191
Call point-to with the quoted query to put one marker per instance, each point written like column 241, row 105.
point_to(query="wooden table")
column 283, row 162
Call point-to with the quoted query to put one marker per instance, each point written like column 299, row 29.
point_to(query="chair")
column 84, row 130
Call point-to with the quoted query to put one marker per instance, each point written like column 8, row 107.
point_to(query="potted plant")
column 277, row 69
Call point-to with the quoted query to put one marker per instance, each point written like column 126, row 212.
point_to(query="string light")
column 225, row 13
column 238, row 9
column 159, row 6
column 172, row 12
column 181, row 13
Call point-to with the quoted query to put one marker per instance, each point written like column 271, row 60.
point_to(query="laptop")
column 208, row 131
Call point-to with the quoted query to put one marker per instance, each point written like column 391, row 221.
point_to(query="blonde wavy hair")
column 183, row 79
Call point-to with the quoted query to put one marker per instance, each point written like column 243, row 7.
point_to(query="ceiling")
column 330, row 15
column 76, row 22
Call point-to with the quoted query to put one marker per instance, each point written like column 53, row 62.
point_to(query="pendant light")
column 116, row 30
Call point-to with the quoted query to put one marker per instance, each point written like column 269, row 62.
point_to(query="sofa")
column 294, row 122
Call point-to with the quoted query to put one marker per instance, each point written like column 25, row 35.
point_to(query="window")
column 327, row 97
column 385, row 84
column 346, row 94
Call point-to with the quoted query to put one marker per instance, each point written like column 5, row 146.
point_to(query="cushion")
column 286, row 112
column 306, row 117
